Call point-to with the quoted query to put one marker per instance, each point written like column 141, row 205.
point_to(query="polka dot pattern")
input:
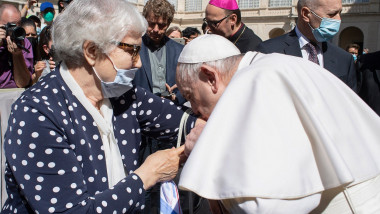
column 54, row 149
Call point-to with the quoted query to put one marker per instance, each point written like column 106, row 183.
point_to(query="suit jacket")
column 369, row 67
column 143, row 76
column 336, row 60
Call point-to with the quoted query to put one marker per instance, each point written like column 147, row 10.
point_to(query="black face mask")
column 34, row 42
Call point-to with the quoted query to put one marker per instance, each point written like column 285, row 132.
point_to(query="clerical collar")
column 236, row 36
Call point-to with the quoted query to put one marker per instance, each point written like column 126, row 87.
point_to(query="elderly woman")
column 73, row 138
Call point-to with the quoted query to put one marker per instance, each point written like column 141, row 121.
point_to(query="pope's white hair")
column 189, row 72
column 103, row 22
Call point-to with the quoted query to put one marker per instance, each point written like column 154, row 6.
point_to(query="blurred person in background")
column 16, row 55
column 28, row 6
column 45, row 63
column 174, row 32
column 47, row 13
column 369, row 71
column 31, row 34
column 37, row 22
column 190, row 33
column 62, row 4
column 353, row 49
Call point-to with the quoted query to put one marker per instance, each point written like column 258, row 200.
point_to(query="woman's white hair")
column 104, row 22
column 189, row 72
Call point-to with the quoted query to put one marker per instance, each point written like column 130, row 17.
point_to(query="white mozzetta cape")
column 284, row 128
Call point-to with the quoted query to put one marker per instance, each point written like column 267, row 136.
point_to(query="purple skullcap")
column 225, row 4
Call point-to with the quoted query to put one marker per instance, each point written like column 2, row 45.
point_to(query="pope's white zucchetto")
column 206, row 48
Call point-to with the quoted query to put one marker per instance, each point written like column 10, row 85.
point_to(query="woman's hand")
column 160, row 166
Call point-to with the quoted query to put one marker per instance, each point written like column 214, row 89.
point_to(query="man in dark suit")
column 159, row 54
column 318, row 21
column 223, row 17
column 369, row 67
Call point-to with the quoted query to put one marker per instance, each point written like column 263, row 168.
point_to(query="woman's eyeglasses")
column 135, row 49
column 132, row 49
column 214, row 24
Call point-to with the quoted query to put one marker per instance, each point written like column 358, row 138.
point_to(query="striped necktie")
column 313, row 54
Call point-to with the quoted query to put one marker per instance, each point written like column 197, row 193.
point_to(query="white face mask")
column 121, row 84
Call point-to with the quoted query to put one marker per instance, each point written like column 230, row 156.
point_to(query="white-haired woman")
column 73, row 138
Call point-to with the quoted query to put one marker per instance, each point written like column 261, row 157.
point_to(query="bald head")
column 305, row 3
column 9, row 13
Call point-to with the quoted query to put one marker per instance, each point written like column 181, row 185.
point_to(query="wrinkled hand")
column 192, row 138
column 52, row 64
column 160, row 166
column 170, row 90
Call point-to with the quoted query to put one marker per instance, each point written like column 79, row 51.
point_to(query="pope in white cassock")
column 283, row 134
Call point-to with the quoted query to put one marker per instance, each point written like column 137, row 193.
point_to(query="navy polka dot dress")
column 55, row 159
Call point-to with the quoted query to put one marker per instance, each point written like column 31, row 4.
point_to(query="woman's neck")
column 89, row 83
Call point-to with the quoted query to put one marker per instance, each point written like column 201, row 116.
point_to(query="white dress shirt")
column 305, row 54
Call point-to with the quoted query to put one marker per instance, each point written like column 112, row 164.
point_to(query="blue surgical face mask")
column 355, row 57
column 121, row 84
column 326, row 30
column 38, row 30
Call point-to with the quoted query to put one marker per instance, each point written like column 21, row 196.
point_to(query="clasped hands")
column 171, row 95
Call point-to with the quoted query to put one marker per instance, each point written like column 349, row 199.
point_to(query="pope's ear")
column 90, row 52
column 211, row 76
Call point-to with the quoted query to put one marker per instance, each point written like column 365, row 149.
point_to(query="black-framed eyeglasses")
column 214, row 23
column 135, row 49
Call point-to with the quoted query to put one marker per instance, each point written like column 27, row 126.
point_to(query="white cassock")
column 287, row 136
